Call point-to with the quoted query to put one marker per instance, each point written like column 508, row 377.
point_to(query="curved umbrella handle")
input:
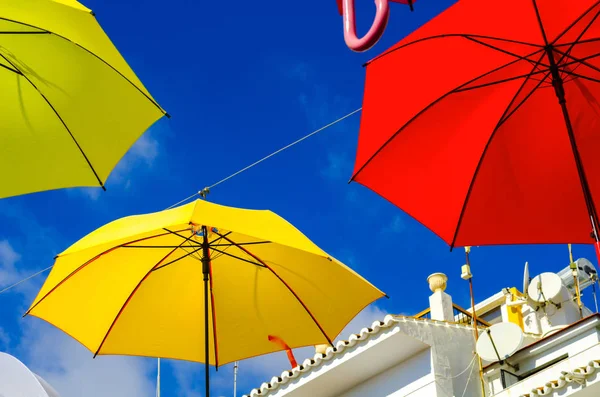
column 373, row 35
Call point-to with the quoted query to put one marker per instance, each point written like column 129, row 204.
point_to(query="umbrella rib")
column 390, row 139
column 249, row 243
column 59, row 117
column 575, row 22
column 183, row 237
column 93, row 54
column 178, row 259
column 11, row 69
column 573, row 74
column 450, row 35
column 133, row 293
column 502, row 50
column 541, row 25
column 586, row 41
column 580, row 61
column 286, row 285
column 237, row 257
column 584, row 31
column 505, row 116
column 90, row 261
column 151, row 246
column 504, row 80
column 17, row 32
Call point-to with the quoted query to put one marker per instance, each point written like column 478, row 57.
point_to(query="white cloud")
column 397, row 225
column 145, row 149
column 70, row 369
column 4, row 339
column 9, row 274
column 143, row 153
column 186, row 375
column 8, row 258
column 339, row 167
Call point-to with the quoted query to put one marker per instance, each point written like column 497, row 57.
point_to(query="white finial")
column 437, row 282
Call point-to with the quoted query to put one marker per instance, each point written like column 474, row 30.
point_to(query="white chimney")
column 440, row 302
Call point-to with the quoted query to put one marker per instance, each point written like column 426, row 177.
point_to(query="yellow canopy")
column 135, row 286
column 71, row 106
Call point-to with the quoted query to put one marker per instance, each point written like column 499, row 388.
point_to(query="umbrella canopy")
column 71, row 105
column 484, row 124
column 17, row 380
column 135, row 286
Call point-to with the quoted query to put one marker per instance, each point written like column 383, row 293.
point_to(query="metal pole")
column 474, row 313
column 205, row 273
column 594, row 292
column 158, row 379
column 575, row 272
column 235, row 371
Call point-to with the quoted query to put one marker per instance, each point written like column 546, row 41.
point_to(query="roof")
column 342, row 348
column 578, row 375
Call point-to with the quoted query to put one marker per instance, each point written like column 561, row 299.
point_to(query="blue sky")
column 241, row 80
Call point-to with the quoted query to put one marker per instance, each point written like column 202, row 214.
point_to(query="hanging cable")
column 468, row 380
column 470, row 366
column 25, row 279
column 206, row 190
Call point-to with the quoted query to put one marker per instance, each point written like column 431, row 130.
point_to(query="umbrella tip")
column 168, row 115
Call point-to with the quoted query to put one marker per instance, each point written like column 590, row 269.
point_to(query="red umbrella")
column 484, row 124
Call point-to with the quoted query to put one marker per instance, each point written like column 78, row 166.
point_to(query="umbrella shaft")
column 205, row 273
column 558, row 84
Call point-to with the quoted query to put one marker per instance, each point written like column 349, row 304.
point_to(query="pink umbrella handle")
column 373, row 35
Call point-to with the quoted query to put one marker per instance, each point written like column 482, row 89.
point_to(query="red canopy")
column 463, row 126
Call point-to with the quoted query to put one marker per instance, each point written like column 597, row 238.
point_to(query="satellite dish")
column 526, row 278
column 545, row 287
column 499, row 342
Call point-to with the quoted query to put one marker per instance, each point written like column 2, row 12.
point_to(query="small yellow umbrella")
column 71, row 105
column 134, row 287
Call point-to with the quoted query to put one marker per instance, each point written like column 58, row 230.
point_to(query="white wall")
column 412, row 377
column 582, row 345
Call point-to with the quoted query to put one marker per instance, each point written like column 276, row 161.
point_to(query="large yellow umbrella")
column 200, row 282
column 71, row 106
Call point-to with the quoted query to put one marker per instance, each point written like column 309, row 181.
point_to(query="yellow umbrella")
column 71, row 106
column 134, row 286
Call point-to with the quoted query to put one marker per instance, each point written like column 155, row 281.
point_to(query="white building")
column 556, row 350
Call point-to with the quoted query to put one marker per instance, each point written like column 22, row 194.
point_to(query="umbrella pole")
column 559, row 89
column 474, row 319
column 205, row 273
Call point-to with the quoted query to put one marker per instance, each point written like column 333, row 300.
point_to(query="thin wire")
column 183, row 201
column 26, row 279
column 223, row 180
column 286, row 147
column 268, row 157
column 468, row 380
column 462, row 372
